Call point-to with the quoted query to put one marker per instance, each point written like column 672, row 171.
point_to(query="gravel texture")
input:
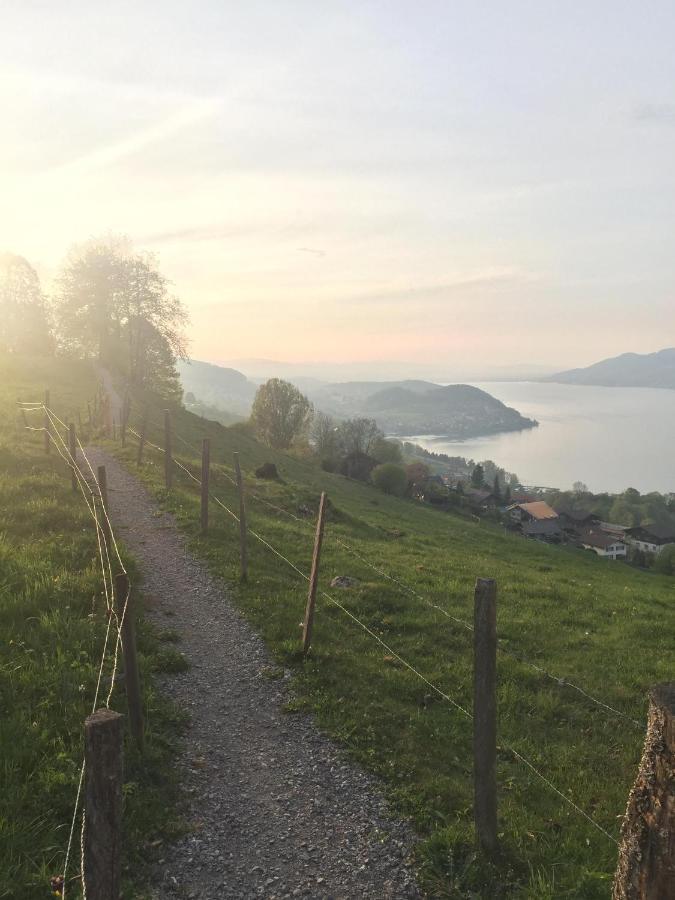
column 276, row 810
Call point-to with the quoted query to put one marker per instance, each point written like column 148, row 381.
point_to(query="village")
column 534, row 518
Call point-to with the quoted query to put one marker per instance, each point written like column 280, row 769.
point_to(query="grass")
column 52, row 626
column 605, row 626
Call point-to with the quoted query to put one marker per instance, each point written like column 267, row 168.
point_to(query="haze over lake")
column 609, row 438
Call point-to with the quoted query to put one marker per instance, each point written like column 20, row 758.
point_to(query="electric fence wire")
column 515, row 753
column 106, row 569
column 560, row 681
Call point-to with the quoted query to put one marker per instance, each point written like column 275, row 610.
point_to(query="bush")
column 390, row 478
column 664, row 563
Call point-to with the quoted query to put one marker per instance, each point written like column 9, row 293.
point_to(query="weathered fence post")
column 103, row 741
column 114, row 429
column 106, row 410
column 485, row 713
column 141, row 440
column 48, row 425
column 243, row 540
column 313, row 578
column 132, row 680
column 72, row 450
column 168, row 460
column 89, row 414
column 79, row 420
column 646, row 867
column 206, row 471
column 125, row 417
column 102, row 479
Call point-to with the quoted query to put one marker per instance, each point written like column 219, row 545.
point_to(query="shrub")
column 390, row 478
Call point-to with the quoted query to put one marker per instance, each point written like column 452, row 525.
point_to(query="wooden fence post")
column 132, row 680
column 72, row 450
column 48, row 425
column 313, row 578
column 168, row 460
column 243, row 539
column 646, row 867
column 103, row 488
column 103, row 740
column 141, row 440
column 206, row 471
column 485, row 713
column 114, row 429
column 123, row 421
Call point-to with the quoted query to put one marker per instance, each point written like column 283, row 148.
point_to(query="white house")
column 605, row 545
column 650, row 538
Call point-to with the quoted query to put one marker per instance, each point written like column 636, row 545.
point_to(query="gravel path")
column 276, row 810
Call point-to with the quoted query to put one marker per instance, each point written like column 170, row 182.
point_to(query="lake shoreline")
column 609, row 438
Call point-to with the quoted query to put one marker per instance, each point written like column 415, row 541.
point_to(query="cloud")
column 507, row 277
column 178, row 121
column 656, row 113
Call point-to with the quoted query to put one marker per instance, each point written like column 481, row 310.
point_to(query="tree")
column 477, row 477
column 496, row 488
column 579, row 487
column 325, row 437
column 386, row 451
column 390, row 478
column 417, row 473
column 280, row 413
column 507, row 494
column 113, row 303
column 359, row 436
column 23, row 316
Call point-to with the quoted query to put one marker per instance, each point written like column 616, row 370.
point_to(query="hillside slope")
column 603, row 627
column 53, row 637
column 655, row 370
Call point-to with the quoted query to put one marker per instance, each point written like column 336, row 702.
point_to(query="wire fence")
column 559, row 680
column 109, row 556
column 362, row 625
column 107, row 545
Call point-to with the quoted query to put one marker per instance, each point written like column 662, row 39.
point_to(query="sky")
column 415, row 186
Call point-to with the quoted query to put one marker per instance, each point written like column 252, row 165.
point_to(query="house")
column 617, row 531
column 603, row 544
column 576, row 522
column 480, row 499
column 536, row 519
column 650, row 538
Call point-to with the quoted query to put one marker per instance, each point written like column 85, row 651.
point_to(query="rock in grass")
column 267, row 470
column 344, row 581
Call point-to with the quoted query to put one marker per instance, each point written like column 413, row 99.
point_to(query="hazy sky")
column 440, row 182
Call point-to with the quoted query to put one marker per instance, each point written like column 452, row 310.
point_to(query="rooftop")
column 538, row 509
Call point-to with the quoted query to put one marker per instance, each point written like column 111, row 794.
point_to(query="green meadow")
column 605, row 627
column 52, row 632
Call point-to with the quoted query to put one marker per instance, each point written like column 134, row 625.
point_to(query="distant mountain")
column 655, row 370
column 226, row 389
column 399, row 407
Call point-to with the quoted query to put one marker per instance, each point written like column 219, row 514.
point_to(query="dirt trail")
column 277, row 810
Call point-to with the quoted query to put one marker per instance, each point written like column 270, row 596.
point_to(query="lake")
column 609, row 438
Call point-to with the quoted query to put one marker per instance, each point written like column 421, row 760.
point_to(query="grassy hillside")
column 52, row 629
column 604, row 626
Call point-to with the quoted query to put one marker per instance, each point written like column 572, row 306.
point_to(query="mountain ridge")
column 655, row 370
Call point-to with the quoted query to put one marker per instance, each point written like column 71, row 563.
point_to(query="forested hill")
column 455, row 410
column 655, row 370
